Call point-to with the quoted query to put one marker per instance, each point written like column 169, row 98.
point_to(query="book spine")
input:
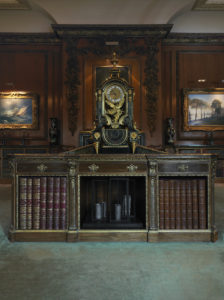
column 178, row 204
column 161, row 204
column 29, row 203
column 166, row 204
column 43, row 202
column 189, row 204
column 202, row 204
column 36, row 203
column 183, row 204
column 56, row 203
column 63, row 202
column 195, row 203
column 23, row 203
column 50, row 196
column 172, row 204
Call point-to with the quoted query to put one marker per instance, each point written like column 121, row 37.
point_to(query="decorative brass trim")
column 132, row 168
column 41, row 230
column 184, row 230
column 182, row 168
column 93, row 167
column 113, row 230
column 42, row 168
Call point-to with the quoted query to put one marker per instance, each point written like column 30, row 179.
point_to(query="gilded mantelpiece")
column 58, row 213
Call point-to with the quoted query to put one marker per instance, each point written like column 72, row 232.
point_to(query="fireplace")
column 113, row 202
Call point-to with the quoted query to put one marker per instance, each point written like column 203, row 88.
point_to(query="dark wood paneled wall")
column 42, row 67
column 33, row 68
column 182, row 67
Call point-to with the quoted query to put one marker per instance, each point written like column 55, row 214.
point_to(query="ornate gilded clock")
column 115, row 127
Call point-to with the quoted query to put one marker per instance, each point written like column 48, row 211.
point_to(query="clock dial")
column 114, row 93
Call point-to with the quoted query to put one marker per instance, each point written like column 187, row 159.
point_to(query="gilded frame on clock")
column 18, row 110
column 203, row 109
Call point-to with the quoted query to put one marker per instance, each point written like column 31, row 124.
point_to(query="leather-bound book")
column 56, row 203
column 189, row 203
column 166, row 205
column 172, row 204
column 178, row 204
column 36, row 202
column 63, row 202
column 202, row 207
column 195, row 203
column 23, row 203
column 183, row 204
column 50, row 197
column 43, row 202
column 29, row 203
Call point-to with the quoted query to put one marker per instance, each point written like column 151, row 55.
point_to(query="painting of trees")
column 204, row 110
column 216, row 106
column 200, row 106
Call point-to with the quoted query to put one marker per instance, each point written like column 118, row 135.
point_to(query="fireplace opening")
column 113, row 202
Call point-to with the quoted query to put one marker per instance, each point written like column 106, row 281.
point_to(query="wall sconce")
column 201, row 80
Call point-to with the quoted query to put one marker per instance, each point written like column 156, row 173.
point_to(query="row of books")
column 42, row 202
column 183, row 203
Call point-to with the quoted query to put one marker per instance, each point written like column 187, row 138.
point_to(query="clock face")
column 114, row 93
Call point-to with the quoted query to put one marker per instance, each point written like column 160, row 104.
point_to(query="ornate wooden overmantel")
column 103, row 40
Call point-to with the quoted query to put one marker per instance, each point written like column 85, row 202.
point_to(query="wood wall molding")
column 194, row 39
column 28, row 38
column 107, row 31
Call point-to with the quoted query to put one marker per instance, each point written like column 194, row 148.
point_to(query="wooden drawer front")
column 112, row 167
column 45, row 167
column 183, row 167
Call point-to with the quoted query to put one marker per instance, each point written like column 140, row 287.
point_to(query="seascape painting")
column 204, row 111
column 18, row 111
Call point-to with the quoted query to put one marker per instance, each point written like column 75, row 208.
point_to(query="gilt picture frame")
column 19, row 110
column 203, row 109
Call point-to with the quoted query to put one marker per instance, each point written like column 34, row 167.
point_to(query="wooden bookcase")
column 172, row 197
column 217, row 150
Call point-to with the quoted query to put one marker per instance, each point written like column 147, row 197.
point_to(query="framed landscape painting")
column 203, row 109
column 18, row 110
